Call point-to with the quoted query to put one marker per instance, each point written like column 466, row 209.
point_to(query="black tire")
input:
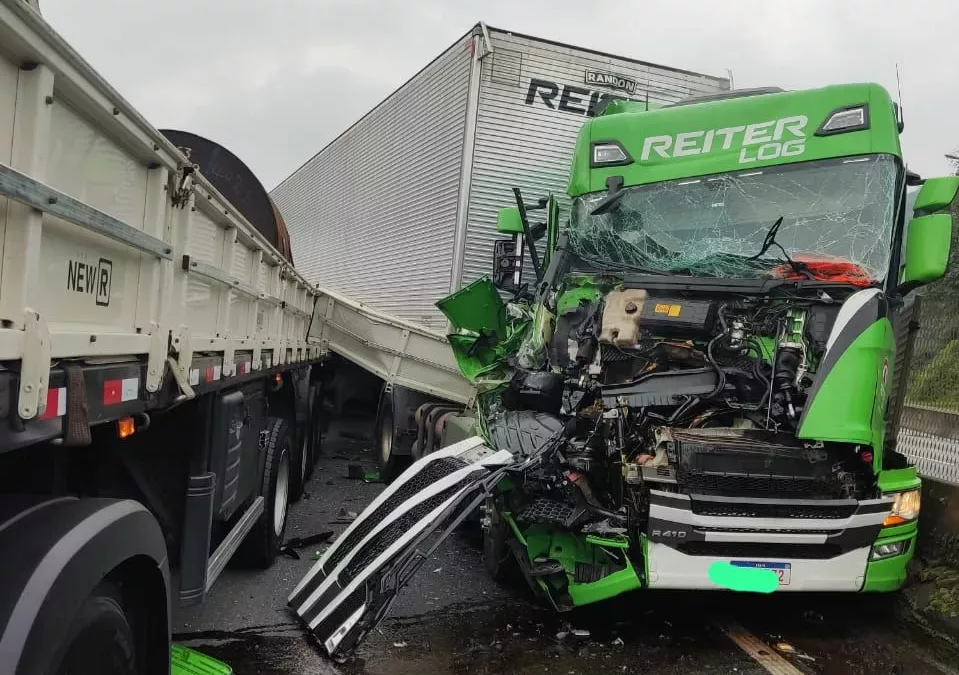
column 262, row 544
column 302, row 455
column 315, row 426
column 387, row 437
column 100, row 638
column 497, row 556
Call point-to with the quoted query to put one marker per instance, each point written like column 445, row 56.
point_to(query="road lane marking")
column 760, row 652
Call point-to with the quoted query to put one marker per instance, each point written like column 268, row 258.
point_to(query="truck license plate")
column 782, row 570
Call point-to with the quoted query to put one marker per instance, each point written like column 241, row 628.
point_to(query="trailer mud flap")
column 351, row 587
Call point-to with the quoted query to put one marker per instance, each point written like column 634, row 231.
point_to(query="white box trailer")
column 400, row 209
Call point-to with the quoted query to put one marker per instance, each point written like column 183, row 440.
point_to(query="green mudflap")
column 185, row 661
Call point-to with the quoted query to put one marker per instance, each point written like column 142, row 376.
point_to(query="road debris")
column 289, row 548
column 345, row 516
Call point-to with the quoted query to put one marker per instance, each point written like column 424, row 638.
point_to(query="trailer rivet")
column 28, row 387
column 51, row 200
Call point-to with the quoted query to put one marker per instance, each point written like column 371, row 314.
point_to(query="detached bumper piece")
column 350, row 589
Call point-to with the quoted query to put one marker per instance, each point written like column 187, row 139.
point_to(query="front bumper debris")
column 350, row 589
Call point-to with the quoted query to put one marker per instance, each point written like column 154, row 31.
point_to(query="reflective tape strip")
column 121, row 391
column 56, row 403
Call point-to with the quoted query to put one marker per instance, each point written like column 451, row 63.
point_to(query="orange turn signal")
column 893, row 520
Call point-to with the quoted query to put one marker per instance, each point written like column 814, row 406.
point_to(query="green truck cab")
column 697, row 364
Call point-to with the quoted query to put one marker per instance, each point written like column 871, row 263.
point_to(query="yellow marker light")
column 904, row 509
column 126, row 427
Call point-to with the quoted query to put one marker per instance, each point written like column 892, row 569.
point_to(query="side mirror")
column 509, row 221
column 927, row 250
column 936, row 194
column 505, row 265
column 929, row 234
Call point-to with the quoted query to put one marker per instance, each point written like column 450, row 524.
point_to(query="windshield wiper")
column 615, row 192
column 770, row 240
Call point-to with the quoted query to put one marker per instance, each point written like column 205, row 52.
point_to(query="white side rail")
column 398, row 351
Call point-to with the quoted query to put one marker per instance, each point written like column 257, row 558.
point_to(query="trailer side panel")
column 534, row 96
column 372, row 214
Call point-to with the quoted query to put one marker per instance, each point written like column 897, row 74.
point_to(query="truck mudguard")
column 56, row 550
column 352, row 586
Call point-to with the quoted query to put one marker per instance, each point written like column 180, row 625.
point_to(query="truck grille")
column 753, row 485
column 749, row 463
column 831, row 511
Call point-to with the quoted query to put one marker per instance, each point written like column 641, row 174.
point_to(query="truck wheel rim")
column 282, row 493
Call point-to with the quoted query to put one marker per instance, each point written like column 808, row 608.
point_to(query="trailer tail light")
column 126, row 426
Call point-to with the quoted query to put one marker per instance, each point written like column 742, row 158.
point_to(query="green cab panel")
column 734, row 134
column 898, row 480
column 848, row 404
column 477, row 307
column 483, row 335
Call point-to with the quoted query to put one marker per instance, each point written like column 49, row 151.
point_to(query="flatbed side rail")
column 398, row 351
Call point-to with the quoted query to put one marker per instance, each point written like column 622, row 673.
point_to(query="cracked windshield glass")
column 836, row 211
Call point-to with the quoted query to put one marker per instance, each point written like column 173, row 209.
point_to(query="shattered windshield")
column 832, row 210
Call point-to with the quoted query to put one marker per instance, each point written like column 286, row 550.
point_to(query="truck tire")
column 314, row 428
column 261, row 545
column 497, row 557
column 102, row 599
column 389, row 457
column 311, row 438
column 100, row 633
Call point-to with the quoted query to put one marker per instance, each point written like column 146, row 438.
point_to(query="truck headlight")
column 904, row 509
column 609, row 153
column 842, row 120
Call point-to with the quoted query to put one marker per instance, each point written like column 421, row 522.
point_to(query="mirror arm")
column 528, row 235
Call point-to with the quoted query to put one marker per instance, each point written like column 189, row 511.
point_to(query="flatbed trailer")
column 159, row 396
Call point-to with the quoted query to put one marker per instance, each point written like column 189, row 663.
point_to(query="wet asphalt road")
column 453, row 619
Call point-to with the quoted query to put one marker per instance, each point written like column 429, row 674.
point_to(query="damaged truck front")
column 689, row 388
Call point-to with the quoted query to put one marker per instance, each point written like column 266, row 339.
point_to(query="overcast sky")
column 275, row 80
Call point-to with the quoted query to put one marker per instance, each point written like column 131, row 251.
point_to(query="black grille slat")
column 740, row 530
column 741, row 510
column 433, row 472
column 395, row 530
column 343, row 612
column 754, row 485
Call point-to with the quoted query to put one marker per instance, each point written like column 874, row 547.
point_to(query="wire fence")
column 927, row 336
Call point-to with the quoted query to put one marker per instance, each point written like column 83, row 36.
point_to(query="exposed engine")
column 691, row 394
